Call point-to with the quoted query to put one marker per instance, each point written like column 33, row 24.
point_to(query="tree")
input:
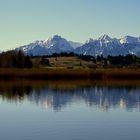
column 45, row 61
column 15, row 59
column 20, row 59
column 98, row 58
column 28, row 63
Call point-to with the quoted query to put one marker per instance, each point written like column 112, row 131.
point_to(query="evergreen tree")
column 28, row 63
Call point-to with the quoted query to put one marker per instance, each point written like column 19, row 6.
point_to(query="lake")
column 69, row 110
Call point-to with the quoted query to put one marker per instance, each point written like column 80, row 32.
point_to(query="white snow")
column 128, row 39
column 104, row 45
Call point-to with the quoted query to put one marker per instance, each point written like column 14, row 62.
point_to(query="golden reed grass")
column 69, row 74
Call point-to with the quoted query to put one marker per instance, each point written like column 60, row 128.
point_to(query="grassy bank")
column 70, row 74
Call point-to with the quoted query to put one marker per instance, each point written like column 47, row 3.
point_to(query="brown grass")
column 66, row 84
column 69, row 74
column 69, row 62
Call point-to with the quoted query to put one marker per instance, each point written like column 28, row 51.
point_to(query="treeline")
column 114, row 60
column 15, row 59
column 118, row 61
column 63, row 54
column 110, row 60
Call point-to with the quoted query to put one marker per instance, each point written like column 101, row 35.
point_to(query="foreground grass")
column 69, row 74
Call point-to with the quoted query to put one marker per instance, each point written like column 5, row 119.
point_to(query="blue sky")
column 23, row 21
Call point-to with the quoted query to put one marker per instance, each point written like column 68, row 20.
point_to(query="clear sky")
column 23, row 21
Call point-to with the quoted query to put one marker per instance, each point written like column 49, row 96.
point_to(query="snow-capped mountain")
column 56, row 44
column 104, row 45
column 129, row 40
column 132, row 44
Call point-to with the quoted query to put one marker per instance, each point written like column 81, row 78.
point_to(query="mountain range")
column 104, row 45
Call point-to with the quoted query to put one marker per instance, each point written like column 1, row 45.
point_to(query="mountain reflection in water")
column 57, row 95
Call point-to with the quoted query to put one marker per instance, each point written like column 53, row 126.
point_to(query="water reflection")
column 57, row 95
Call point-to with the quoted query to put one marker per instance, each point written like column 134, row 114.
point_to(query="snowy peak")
column 59, row 44
column 54, row 39
column 55, row 44
column 105, row 38
column 129, row 40
column 104, row 45
column 90, row 40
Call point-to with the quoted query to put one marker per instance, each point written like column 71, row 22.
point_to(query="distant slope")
column 56, row 44
column 104, row 45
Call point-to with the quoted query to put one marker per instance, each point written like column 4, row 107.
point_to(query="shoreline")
column 69, row 74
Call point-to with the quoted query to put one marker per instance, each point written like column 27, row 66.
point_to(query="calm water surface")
column 69, row 111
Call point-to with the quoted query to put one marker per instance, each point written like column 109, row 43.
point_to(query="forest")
column 17, row 59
